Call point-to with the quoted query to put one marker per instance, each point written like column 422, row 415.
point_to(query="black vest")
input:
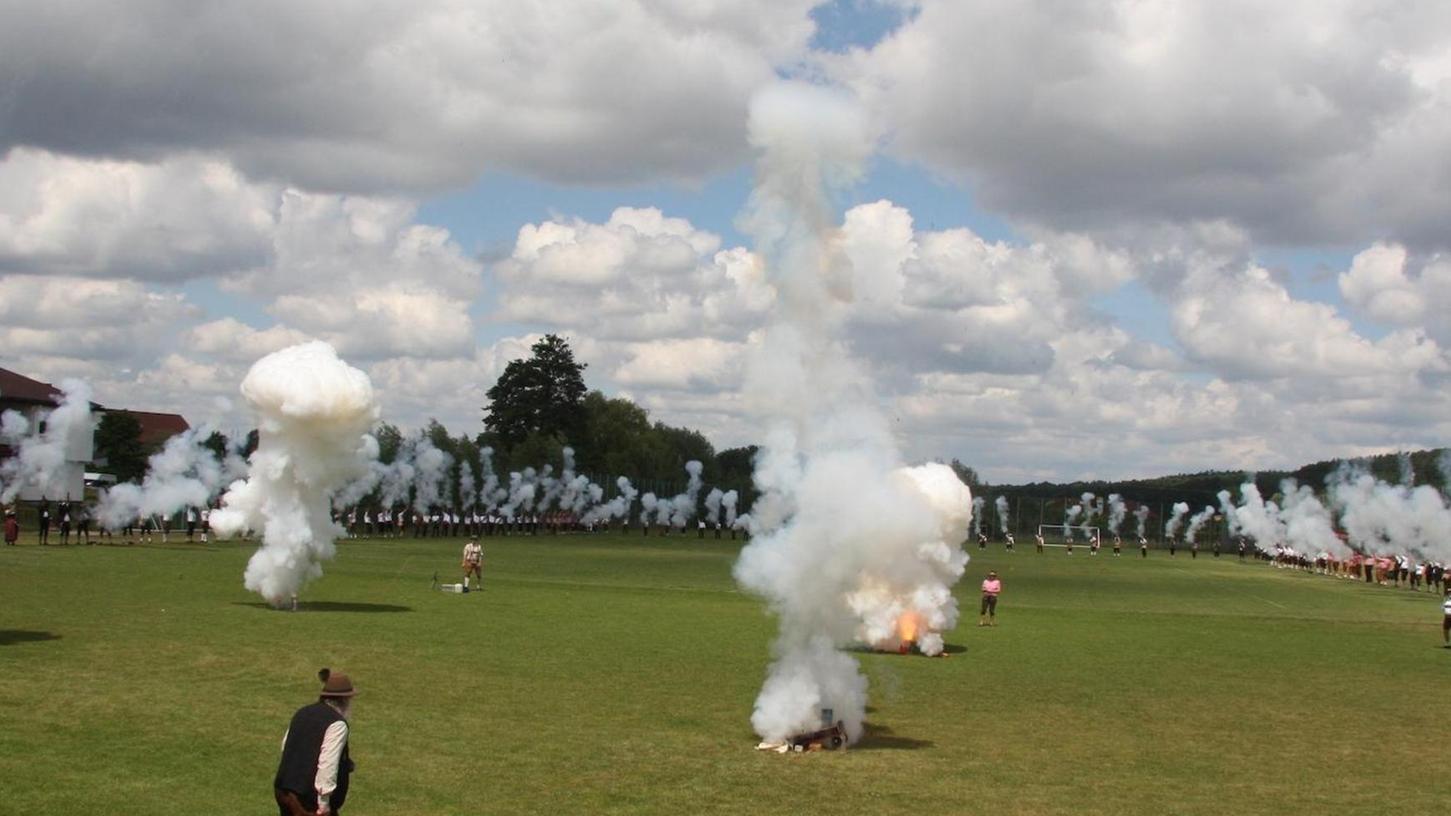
column 297, row 772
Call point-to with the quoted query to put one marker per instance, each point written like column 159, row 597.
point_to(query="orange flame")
column 907, row 626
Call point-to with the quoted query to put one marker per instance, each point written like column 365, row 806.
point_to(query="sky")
column 1094, row 240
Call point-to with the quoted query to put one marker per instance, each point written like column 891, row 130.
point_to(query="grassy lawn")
column 616, row 674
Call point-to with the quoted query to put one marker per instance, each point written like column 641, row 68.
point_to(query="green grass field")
column 616, row 674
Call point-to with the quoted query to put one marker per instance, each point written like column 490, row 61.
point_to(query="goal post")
column 1060, row 535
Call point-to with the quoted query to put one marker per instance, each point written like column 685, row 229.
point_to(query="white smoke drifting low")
column 39, row 463
column 1383, row 518
column 314, row 412
column 184, row 473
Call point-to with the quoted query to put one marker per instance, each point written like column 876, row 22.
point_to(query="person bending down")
column 991, row 587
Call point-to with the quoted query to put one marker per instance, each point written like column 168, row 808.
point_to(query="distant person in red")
column 991, row 588
column 12, row 528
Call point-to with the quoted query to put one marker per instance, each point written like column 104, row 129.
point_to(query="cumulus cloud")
column 1308, row 121
column 1384, row 283
column 394, row 96
column 183, row 217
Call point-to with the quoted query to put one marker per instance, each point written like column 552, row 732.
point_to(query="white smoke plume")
column 977, row 504
column 184, row 473
column 1001, row 505
column 1307, row 523
column 838, row 518
column 647, row 508
column 467, row 495
column 728, row 503
column 39, row 463
column 616, row 508
column 1383, row 518
column 430, row 485
column 314, row 412
column 682, row 508
column 1176, row 518
column 1141, row 517
column 1198, row 521
column 396, row 478
column 1255, row 517
column 1070, row 518
column 712, row 506
column 490, row 494
column 1117, row 510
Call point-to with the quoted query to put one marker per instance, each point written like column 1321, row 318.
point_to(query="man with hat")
column 312, row 778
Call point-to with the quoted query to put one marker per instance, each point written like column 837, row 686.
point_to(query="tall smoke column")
column 728, row 502
column 314, row 412
column 1001, row 505
column 1254, row 517
column 1198, row 521
column 1408, row 470
column 682, row 507
column 40, row 457
column 1176, row 518
column 977, row 505
column 1141, row 515
column 397, row 477
column 712, row 506
column 836, row 517
column 466, row 493
column 1116, row 512
column 647, row 507
column 1307, row 522
column 489, row 496
column 430, row 490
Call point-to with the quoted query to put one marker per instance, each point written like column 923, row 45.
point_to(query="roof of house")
column 19, row 388
column 156, row 428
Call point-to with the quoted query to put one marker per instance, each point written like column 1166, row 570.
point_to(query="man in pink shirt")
column 991, row 586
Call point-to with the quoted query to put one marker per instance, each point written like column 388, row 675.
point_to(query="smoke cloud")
column 39, row 463
column 314, row 412
column 842, row 536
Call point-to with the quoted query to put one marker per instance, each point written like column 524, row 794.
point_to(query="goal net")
column 1060, row 535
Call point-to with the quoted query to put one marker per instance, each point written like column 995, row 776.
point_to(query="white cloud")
column 184, row 217
column 1381, row 283
column 399, row 95
column 1303, row 121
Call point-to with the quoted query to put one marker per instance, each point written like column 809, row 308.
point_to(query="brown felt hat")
column 336, row 684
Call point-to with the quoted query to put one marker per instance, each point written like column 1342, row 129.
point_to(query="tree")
column 968, row 476
column 217, row 443
column 118, row 441
column 540, row 395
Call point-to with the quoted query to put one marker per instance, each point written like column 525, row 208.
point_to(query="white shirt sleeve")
column 333, row 742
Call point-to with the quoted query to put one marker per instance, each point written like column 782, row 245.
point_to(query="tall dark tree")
column 540, row 395
column 968, row 475
column 118, row 441
column 217, row 443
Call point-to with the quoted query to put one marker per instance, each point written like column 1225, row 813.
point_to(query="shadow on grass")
column 12, row 636
column 330, row 606
column 881, row 738
column 947, row 648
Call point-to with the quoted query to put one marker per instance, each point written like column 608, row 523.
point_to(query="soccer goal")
column 1058, row 535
